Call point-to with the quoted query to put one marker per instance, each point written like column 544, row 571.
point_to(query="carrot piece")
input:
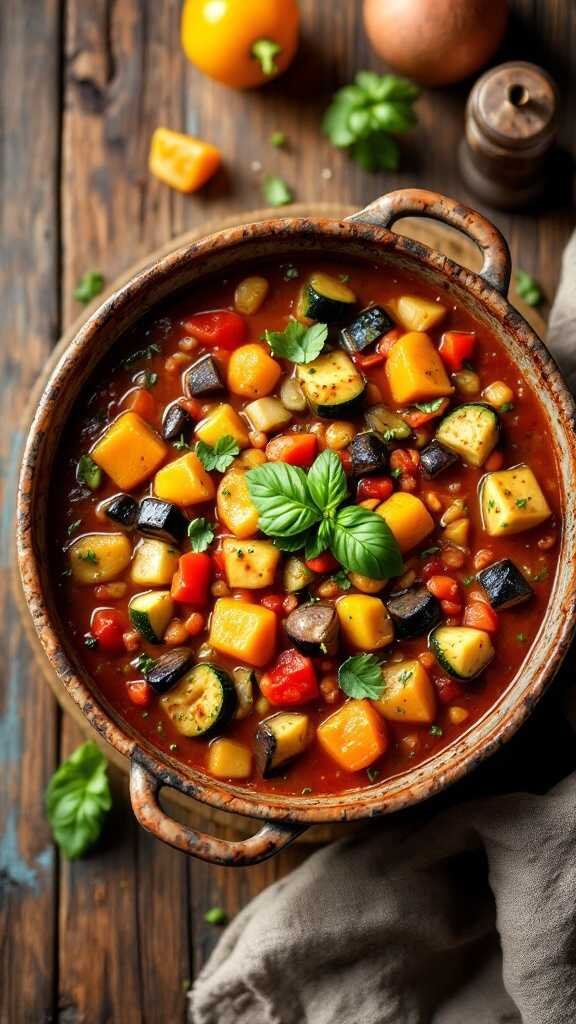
column 143, row 403
column 443, row 587
column 355, row 736
column 295, row 449
column 181, row 161
column 481, row 615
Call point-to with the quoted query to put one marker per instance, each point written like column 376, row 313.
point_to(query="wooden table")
column 116, row 937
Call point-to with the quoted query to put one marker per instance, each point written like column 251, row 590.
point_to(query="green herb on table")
column 298, row 343
column 200, row 534
column 216, row 916
column 87, row 472
column 278, row 139
column 364, row 116
column 219, row 456
column 276, row 191
column 181, row 445
column 361, row 677
column 291, row 503
column 265, row 52
column 528, row 288
column 78, row 800
column 89, row 286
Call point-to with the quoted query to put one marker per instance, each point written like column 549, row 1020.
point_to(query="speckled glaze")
column 366, row 235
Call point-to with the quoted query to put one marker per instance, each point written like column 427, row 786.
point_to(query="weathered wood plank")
column 29, row 139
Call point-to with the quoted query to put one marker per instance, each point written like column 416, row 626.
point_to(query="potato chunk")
column 236, row 510
column 154, row 563
column 223, row 421
column 415, row 313
column 228, row 759
column 512, row 501
column 408, row 693
column 99, row 557
column 250, row 564
column 184, row 482
column 244, row 631
column 407, row 517
column 365, row 622
column 415, row 371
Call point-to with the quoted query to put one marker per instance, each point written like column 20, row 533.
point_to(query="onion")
column 435, row 42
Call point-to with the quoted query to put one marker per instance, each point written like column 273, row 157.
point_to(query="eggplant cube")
column 370, row 325
column 122, row 509
column 161, row 519
column 369, row 454
column 414, row 612
column 169, row 668
column 313, row 628
column 203, row 378
column 435, row 459
column 504, row 584
column 177, row 423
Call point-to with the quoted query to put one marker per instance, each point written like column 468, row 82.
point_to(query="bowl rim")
column 477, row 743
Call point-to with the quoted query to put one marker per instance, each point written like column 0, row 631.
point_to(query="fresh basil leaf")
column 296, row 342
column 280, row 493
column 89, row 286
column 361, row 677
column 87, row 472
column 362, row 542
column 431, row 406
column 144, row 663
column 327, row 482
column 528, row 288
column 200, row 534
column 220, row 456
column 319, row 540
column 276, row 191
column 378, row 152
column 78, row 799
column 290, row 544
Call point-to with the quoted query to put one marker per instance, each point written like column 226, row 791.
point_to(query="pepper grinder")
column 511, row 124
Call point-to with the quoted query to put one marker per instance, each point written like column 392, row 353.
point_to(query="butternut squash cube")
column 129, row 451
column 99, row 557
column 512, row 501
column 252, row 372
column 223, row 421
column 236, row 510
column 365, row 622
column 184, row 482
column 355, row 736
column 407, row 517
column 243, row 630
column 415, row 371
column 154, row 563
column 414, row 313
column 250, row 564
column 228, row 759
column 408, row 693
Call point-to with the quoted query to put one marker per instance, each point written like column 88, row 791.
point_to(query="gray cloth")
column 466, row 916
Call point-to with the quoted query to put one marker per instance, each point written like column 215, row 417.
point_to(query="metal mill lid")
column 516, row 105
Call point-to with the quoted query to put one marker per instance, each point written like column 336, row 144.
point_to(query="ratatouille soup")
column 307, row 523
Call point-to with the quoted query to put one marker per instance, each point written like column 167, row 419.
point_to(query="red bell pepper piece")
column 481, row 615
column 275, row 602
column 380, row 487
column 142, row 402
column 220, row 328
column 140, row 693
column 292, row 680
column 366, row 362
column 416, row 418
column 295, row 449
column 191, row 581
column 457, row 346
column 108, row 626
column 323, row 563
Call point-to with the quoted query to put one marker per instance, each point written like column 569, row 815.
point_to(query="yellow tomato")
column 242, row 43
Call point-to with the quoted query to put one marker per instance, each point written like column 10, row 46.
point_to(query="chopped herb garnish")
column 429, row 551
column 216, row 916
column 90, row 641
column 432, row 406
column 528, row 288
column 87, row 472
column 144, row 663
column 467, row 581
column 373, row 774
column 149, row 379
column 200, row 533
column 142, row 353
column 181, row 445
column 219, row 456
column 276, row 191
column 73, row 527
column 436, row 730
column 278, row 139
column 298, row 343
column 88, row 556
column 521, row 502
column 405, row 676
column 89, row 286
column 291, row 273
column 396, row 472
column 521, row 638
column 341, row 580
column 507, row 407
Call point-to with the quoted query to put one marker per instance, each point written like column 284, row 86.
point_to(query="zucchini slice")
column 150, row 613
column 244, row 683
column 325, row 298
column 332, row 385
column 281, row 738
column 296, row 575
column 471, row 432
column 203, row 701
column 463, row 652
column 368, row 326
column 387, row 424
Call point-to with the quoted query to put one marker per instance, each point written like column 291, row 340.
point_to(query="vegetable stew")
column 306, row 523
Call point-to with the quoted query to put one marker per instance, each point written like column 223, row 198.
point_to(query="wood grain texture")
column 117, row 936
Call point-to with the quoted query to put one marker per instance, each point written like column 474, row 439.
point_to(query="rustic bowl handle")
column 269, row 840
column 418, row 202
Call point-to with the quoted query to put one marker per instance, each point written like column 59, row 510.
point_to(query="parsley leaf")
column 276, row 191
column 88, row 556
column 436, row 730
column 181, row 445
column 432, row 406
column 296, row 342
column 89, row 286
column 361, row 676
column 78, row 799
column 87, row 472
column 200, row 534
column 528, row 288
column 219, row 456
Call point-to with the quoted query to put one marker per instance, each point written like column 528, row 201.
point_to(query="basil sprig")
column 78, row 800
column 299, row 510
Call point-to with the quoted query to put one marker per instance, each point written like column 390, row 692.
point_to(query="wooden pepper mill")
column 511, row 123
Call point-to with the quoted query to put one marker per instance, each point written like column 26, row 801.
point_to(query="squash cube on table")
column 365, row 622
column 355, row 736
column 408, row 519
column 512, row 501
column 184, row 482
column 129, row 451
column 244, row 631
column 250, row 564
column 415, row 371
column 223, row 421
column 408, row 694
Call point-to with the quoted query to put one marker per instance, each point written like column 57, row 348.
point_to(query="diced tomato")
column 494, row 462
column 451, row 608
column 191, row 581
column 295, row 449
column 219, row 328
column 140, row 692
column 346, row 460
column 192, row 406
column 380, row 487
column 292, row 680
column 323, row 563
column 387, row 340
column 443, row 587
column 433, row 567
column 405, row 459
column 219, row 564
column 447, row 689
column 481, row 615
column 366, row 362
column 457, row 346
column 108, row 626
column 416, row 418
column 274, row 602
column 142, row 402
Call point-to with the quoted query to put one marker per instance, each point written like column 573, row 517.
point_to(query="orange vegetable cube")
column 415, row 370
column 221, row 422
column 355, row 736
column 181, row 161
column 365, row 622
column 252, row 372
column 228, row 759
column 129, row 451
column 407, row 517
column 243, row 630
column 184, row 481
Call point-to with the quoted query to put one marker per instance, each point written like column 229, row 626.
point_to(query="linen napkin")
column 460, row 916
